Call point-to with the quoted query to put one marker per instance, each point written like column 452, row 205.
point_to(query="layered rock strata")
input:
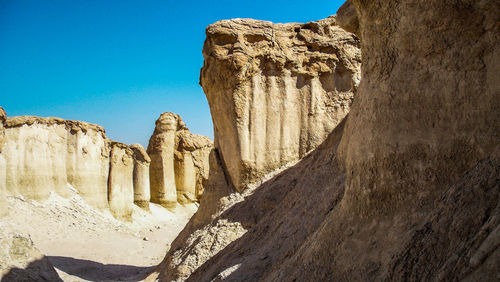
column 276, row 90
column 3, row 176
column 141, row 176
column 45, row 154
column 120, row 181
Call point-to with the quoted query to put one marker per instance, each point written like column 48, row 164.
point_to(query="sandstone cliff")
column 406, row 188
column 45, row 154
column 276, row 90
column 179, row 162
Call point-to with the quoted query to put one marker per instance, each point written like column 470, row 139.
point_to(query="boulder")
column 276, row 90
column 20, row 260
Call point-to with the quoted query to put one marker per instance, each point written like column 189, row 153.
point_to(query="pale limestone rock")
column 191, row 165
column 45, row 154
column 141, row 176
column 161, row 151
column 3, row 176
column 276, row 90
column 120, row 181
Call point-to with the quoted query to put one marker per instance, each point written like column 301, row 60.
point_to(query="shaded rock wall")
column 409, row 190
column 276, row 90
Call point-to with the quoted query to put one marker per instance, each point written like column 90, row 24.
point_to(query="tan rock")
column 45, row 154
column 3, row 176
column 141, row 176
column 121, row 183
column 35, row 152
column 161, row 151
column 191, row 165
column 276, row 90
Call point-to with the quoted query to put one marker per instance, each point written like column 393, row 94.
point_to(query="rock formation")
column 407, row 187
column 141, row 176
column 3, row 176
column 276, row 90
column 161, row 151
column 120, row 181
column 191, row 165
column 45, row 154
column 20, row 260
column 179, row 162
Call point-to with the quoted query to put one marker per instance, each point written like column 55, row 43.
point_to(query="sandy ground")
column 89, row 245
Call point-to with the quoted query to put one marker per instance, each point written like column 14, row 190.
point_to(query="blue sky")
column 122, row 63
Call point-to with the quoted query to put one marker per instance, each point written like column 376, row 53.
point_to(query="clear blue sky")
column 121, row 63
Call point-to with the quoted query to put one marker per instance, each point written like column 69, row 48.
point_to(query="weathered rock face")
column 121, row 183
column 3, row 176
column 423, row 117
column 191, row 165
column 161, row 149
column 141, row 176
column 45, row 154
column 179, row 162
column 276, row 90
column 408, row 188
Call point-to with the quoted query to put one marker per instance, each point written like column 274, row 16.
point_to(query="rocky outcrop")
column 45, row 154
column 20, row 260
column 161, row 149
column 406, row 188
column 179, row 162
column 191, row 165
column 120, row 181
column 276, row 90
column 141, row 176
column 3, row 176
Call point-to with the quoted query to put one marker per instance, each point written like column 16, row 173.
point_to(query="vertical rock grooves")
column 276, row 90
column 407, row 189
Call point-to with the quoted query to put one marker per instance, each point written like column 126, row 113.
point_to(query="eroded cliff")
column 179, row 162
column 276, row 90
column 406, row 188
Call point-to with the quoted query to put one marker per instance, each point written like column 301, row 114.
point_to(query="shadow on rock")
column 96, row 271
